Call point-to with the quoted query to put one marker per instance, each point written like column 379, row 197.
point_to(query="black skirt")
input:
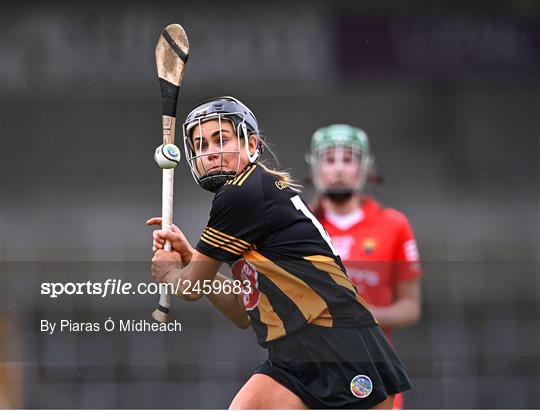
column 337, row 367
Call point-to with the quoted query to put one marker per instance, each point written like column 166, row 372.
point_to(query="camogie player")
column 296, row 296
column 376, row 244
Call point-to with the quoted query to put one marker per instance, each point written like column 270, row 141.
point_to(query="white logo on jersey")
column 411, row 251
column 243, row 270
column 367, row 277
column 343, row 245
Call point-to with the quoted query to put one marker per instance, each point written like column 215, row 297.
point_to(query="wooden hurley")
column 172, row 51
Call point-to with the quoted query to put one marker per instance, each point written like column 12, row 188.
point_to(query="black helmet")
column 245, row 124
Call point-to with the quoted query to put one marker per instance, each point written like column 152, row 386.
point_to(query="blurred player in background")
column 297, row 297
column 376, row 244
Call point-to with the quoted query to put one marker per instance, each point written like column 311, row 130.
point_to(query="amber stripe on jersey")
column 328, row 265
column 311, row 304
column 220, row 244
column 226, row 242
column 227, row 236
column 239, row 180
column 268, row 317
column 307, row 299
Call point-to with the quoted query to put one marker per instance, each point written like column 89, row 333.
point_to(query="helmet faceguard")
column 244, row 123
column 339, row 142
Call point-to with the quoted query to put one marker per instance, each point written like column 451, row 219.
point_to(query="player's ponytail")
column 283, row 176
column 280, row 174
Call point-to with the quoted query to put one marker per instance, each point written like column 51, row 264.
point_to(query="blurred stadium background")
column 448, row 92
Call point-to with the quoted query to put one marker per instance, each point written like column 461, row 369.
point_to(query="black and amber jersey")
column 295, row 276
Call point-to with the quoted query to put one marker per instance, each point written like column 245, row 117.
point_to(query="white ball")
column 167, row 156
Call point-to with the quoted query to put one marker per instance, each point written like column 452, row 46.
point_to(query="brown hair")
column 282, row 175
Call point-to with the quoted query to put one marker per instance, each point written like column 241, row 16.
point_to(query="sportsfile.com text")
column 119, row 287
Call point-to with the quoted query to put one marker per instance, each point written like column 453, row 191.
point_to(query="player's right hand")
column 178, row 240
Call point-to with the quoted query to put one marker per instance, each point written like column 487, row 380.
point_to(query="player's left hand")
column 166, row 266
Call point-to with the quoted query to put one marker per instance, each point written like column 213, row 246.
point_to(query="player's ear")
column 253, row 141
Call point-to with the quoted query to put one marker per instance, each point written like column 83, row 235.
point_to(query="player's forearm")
column 403, row 313
column 230, row 304
column 190, row 279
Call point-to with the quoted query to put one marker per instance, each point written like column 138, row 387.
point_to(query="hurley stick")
column 171, row 56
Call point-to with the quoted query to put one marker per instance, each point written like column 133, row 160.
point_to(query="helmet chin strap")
column 213, row 182
column 255, row 156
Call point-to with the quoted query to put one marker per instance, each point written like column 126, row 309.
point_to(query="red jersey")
column 377, row 247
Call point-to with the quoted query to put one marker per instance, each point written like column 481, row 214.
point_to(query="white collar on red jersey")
column 344, row 222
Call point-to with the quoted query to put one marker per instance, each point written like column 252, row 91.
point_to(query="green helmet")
column 338, row 135
column 346, row 136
